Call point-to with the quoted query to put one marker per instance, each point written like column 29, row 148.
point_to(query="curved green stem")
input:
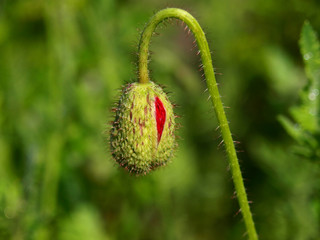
column 215, row 96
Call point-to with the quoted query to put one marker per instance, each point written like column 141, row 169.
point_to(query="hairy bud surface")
column 142, row 136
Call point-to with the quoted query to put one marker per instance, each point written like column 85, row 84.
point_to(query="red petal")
column 160, row 116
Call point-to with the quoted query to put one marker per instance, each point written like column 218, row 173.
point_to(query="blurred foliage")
column 61, row 63
column 307, row 130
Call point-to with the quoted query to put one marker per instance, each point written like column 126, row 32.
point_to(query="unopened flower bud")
column 142, row 135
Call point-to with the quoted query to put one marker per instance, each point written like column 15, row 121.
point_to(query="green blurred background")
column 61, row 66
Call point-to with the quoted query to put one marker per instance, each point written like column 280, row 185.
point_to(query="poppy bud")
column 142, row 135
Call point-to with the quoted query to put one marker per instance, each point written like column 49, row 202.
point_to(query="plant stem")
column 143, row 76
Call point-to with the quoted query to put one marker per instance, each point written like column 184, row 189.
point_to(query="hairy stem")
column 215, row 97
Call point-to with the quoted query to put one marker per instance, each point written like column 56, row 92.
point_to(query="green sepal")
column 134, row 138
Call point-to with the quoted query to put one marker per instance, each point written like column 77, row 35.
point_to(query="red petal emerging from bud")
column 160, row 117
